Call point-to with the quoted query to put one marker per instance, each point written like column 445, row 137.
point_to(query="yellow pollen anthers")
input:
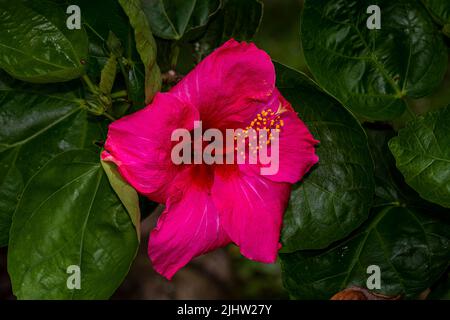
column 266, row 120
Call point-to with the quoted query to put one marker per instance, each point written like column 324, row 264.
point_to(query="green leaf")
column 145, row 45
column 422, row 155
column 441, row 291
column 126, row 193
column 388, row 191
column 390, row 185
column 239, row 19
column 372, row 71
column 172, row 19
column 134, row 76
column 412, row 250
column 36, row 45
column 99, row 27
column 109, row 33
column 335, row 197
column 69, row 215
column 105, row 16
column 440, row 11
column 114, row 44
column 108, row 75
column 35, row 125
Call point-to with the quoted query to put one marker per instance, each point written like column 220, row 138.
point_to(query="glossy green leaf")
column 126, row 193
column 388, row 191
column 440, row 11
column 112, row 19
column 36, row 45
column 390, row 185
column 109, row 33
column 238, row 19
column 335, row 197
column 145, row 45
column 99, row 26
column 411, row 249
column 372, row 71
column 422, row 155
column 70, row 216
column 172, row 19
column 134, row 75
column 35, row 125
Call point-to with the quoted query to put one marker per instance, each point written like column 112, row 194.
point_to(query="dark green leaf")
column 239, row 19
column 36, row 45
column 126, row 193
column 390, row 185
column 441, row 290
column 171, row 19
column 372, row 71
column 145, row 45
column 70, row 215
column 387, row 189
column 440, row 98
column 36, row 125
column 111, row 33
column 135, row 82
column 440, row 10
column 99, row 26
column 411, row 249
column 422, row 154
column 335, row 197
column 98, row 57
column 103, row 17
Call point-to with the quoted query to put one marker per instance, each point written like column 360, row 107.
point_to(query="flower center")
column 266, row 121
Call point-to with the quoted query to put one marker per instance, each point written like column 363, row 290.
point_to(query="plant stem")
column 119, row 94
column 175, row 51
column 90, row 85
column 110, row 117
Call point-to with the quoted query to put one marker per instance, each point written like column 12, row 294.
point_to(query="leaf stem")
column 89, row 83
column 110, row 117
column 175, row 52
column 119, row 94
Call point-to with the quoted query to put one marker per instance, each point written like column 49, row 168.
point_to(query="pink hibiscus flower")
column 210, row 206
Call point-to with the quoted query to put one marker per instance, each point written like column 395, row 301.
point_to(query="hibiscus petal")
column 190, row 226
column 140, row 144
column 296, row 154
column 251, row 208
column 230, row 85
column 296, row 150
